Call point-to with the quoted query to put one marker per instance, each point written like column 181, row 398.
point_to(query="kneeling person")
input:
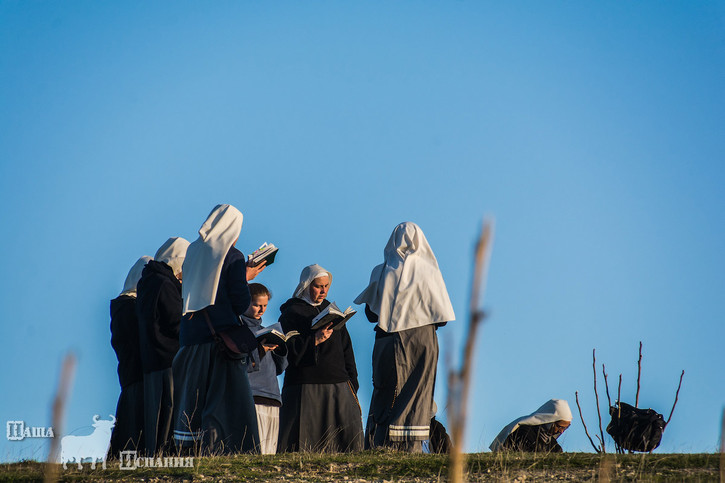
column 537, row 432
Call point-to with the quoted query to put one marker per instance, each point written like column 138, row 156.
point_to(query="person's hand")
column 323, row 334
column 269, row 347
column 256, row 270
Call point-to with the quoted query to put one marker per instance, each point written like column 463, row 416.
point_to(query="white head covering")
column 309, row 273
column 172, row 253
column 407, row 291
column 553, row 410
column 205, row 257
column 134, row 275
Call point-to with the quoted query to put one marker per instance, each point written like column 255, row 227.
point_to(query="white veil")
column 407, row 290
column 205, row 257
column 553, row 410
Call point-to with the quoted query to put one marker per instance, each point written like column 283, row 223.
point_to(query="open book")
column 332, row 315
column 274, row 335
column 266, row 252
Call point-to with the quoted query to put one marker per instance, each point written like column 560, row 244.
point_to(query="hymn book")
column 332, row 315
column 274, row 334
column 266, row 252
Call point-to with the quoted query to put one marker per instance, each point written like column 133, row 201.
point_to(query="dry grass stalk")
column 576, row 394
column 606, row 385
column 722, row 448
column 459, row 383
column 619, row 389
column 677, row 395
column 639, row 373
column 606, row 464
column 596, row 394
column 61, row 397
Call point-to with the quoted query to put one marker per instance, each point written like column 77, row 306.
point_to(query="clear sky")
column 593, row 132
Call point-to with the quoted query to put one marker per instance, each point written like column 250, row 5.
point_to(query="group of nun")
column 181, row 392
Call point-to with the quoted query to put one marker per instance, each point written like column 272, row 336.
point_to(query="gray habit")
column 215, row 411
column 307, row 422
column 404, row 372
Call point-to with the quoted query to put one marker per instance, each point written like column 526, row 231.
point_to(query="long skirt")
column 404, row 372
column 158, row 410
column 320, row 418
column 214, row 405
column 127, row 433
column 268, row 424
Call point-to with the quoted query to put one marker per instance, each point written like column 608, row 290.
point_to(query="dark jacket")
column 331, row 362
column 124, row 339
column 232, row 300
column 158, row 307
column 532, row 439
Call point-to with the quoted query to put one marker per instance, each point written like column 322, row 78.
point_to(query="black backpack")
column 440, row 442
column 635, row 429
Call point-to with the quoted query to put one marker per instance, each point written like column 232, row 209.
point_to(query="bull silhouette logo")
column 93, row 446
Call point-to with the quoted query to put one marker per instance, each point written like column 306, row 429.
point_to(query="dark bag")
column 231, row 343
column 440, row 442
column 635, row 429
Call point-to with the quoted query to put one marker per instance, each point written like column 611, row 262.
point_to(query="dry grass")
column 383, row 466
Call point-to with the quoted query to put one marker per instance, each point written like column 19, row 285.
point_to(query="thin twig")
column 722, row 448
column 462, row 379
column 596, row 394
column 677, row 394
column 606, row 385
column 65, row 385
column 586, row 431
column 619, row 389
column 639, row 373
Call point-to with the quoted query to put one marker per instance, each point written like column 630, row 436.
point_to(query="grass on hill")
column 383, row 466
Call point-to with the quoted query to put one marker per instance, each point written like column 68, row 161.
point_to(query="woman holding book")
column 320, row 411
column 407, row 300
column 273, row 361
column 215, row 412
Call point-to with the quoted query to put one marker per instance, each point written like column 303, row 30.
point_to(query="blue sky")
column 591, row 132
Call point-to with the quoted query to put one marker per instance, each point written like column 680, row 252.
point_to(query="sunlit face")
column 559, row 427
column 257, row 307
column 319, row 288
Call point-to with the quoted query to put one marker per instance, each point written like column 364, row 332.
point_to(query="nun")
column 125, row 342
column 537, row 432
column 320, row 411
column 158, row 307
column 215, row 410
column 407, row 301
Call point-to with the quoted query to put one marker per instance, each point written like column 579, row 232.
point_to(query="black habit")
column 125, row 342
column 159, row 307
column 320, row 411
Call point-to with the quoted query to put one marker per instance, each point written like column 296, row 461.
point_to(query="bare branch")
column 65, row 385
column 462, row 379
column 596, row 394
column 606, row 385
column 677, row 395
column 722, row 448
column 639, row 373
column 576, row 394
column 619, row 390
